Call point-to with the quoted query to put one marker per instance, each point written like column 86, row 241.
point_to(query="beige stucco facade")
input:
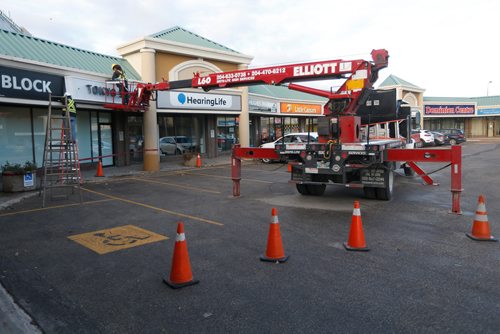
column 158, row 59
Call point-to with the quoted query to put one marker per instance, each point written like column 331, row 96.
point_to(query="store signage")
column 488, row 111
column 297, row 108
column 198, row 101
column 262, row 106
column 449, row 109
column 92, row 90
column 23, row 84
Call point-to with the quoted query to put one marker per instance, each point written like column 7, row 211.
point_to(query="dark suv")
column 453, row 136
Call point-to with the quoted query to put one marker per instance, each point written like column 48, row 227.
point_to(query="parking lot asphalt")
column 422, row 273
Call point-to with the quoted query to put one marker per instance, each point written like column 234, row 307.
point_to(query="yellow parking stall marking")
column 54, row 207
column 117, row 238
column 173, row 213
column 175, row 185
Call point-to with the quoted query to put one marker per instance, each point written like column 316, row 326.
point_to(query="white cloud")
column 447, row 47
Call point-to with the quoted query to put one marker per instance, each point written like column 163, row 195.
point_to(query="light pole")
column 488, row 88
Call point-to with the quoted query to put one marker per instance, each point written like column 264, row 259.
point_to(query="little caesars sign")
column 22, row 84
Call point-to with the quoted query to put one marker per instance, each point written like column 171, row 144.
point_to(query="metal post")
column 456, row 178
column 235, row 171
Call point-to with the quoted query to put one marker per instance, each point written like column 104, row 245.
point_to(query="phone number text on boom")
column 247, row 75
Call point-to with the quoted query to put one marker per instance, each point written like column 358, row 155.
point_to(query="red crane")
column 363, row 136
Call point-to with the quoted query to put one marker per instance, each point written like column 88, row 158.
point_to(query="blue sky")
column 449, row 48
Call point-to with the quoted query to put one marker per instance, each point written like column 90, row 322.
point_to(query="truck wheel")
column 370, row 192
column 385, row 193
column 316, row 189
column 302, row 189
column 453, row 141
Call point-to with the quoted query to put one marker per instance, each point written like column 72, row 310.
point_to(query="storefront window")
column 39, row 128
column 102, row 137
column 15, row 136
column 188, row 133
column 273, row 128
column 227, row 133
column 135, row 138
column 83, row 135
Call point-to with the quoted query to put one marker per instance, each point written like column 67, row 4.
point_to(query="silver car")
column 168, row 145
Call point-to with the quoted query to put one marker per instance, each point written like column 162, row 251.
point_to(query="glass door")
column 105, row 136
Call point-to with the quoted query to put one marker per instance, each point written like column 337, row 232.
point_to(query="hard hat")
column 113, row 66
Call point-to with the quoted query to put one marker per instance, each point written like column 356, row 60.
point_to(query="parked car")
column 426, row 137
column 168, row 145
column 415, row 136
column 188, row 143
column 439, row 138
column 453, row 136
column 299, row 137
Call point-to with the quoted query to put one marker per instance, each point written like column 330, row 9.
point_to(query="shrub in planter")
column 13, row 176
column 189, row 159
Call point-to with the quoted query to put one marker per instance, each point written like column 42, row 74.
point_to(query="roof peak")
column 393, row 80
column 182, row 35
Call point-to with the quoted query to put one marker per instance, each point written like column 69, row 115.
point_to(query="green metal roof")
column 393, row 80
column 35, row 49
column 181, row 35
column 282, row 92
column 480, row 101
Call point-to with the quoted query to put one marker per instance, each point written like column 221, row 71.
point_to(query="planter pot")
column 14, row 182
column 189, row 159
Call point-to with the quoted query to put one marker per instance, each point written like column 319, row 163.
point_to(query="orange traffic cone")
column 180, row 274
column 198, row 161
column 481, row 227
column 274, row 252
column 99, row 172
column 356, row 241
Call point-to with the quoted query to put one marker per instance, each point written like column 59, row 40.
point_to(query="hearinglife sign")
column 198, row 101
column 23, row 84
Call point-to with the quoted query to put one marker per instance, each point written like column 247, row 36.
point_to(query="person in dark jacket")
column 119, row 75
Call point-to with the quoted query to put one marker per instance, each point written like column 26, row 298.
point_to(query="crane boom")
column 360, row 75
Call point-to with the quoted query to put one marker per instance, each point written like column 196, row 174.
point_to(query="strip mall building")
column 476, row 116
column 31, row 68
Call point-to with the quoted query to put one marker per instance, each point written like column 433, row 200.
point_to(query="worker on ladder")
column 70, row 104
column 119, row 74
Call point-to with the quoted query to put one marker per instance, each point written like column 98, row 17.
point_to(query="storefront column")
column 151, row 156
column 244, row 125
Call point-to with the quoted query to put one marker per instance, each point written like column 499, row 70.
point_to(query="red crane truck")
column 363, row 136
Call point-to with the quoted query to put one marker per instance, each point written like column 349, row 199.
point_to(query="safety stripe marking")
column 176, row 185
column 54, row 207
column 481, row 218
column 155, row 208
column 180, row 237
column 356, row 212
column 274, row 220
